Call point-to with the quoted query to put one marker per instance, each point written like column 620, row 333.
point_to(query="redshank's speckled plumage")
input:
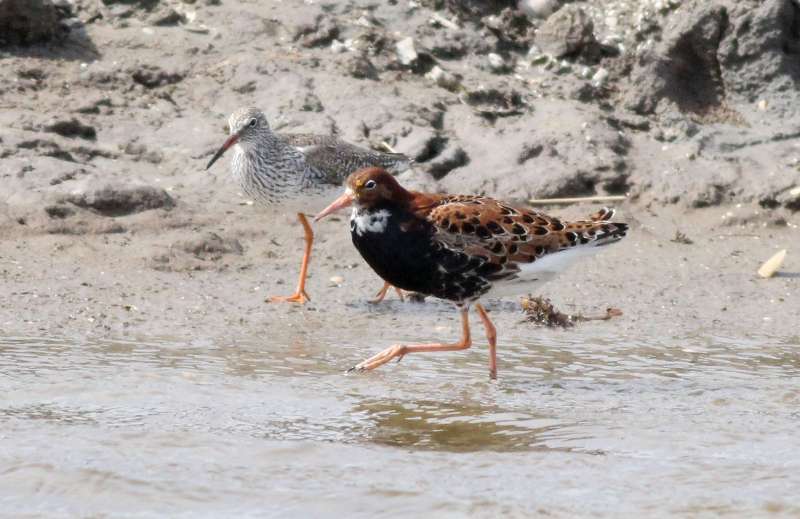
column 286, row 169
column 272, row 167
column 459, row 247
column 337, row 158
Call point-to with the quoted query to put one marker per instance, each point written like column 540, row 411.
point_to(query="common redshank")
column 460, row 248
column 293, row 171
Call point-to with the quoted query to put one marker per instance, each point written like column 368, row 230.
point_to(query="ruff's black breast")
column 402, row 249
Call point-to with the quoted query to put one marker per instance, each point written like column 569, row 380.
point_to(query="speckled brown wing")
column 320, row 151
column 507, row 236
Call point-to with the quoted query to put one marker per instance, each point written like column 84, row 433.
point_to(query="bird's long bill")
column 340, row 203
column 228, row 143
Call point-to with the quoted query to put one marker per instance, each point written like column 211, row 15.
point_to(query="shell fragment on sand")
column 772, row 265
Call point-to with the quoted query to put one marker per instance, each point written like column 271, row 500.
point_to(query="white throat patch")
column 363, row 222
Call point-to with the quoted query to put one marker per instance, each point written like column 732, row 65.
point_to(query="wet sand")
column 149, row 283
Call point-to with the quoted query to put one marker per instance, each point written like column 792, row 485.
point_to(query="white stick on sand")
column 577, row 200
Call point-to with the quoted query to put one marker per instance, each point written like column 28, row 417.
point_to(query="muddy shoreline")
column 109, row 225
column 156, row 283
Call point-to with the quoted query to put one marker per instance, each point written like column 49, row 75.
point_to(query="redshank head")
column 244, row 125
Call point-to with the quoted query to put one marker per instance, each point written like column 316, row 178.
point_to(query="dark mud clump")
column 121, row 201
column 72, row 128
column 211, row 246
column 25, row 22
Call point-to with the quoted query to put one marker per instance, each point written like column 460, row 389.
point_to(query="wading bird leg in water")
column 403, row 349
column 491, row 336
column 382, row 293
column 299, row 295
column 461, row 247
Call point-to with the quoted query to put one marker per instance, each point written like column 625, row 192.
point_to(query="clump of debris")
column 681, row 238
column 540, row 310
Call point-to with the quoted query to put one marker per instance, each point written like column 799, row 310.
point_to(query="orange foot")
column 298, row 297
column 382, row 294
column 401, row 350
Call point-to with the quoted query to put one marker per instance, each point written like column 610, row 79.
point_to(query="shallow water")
column 600, row 420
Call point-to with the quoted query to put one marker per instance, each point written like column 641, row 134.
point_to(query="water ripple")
column 106, row 417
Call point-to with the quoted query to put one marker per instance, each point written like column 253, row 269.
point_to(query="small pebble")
column 540, row 9
column 443, row 78
column 540, row 59
column 338, row 47
column 496, row 62
column 406, row 53
column 599, row 78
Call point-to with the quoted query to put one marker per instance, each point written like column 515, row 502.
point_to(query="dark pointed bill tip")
column 228, row 143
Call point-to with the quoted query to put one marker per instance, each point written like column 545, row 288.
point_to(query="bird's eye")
column 370, row 184
column 253, row 123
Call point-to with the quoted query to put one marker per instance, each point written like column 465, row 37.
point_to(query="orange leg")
column 299, row 295
column 401, row 350
column 491, row 336
column 382, row 293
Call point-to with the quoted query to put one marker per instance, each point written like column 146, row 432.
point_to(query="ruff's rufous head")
column 368, row 188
